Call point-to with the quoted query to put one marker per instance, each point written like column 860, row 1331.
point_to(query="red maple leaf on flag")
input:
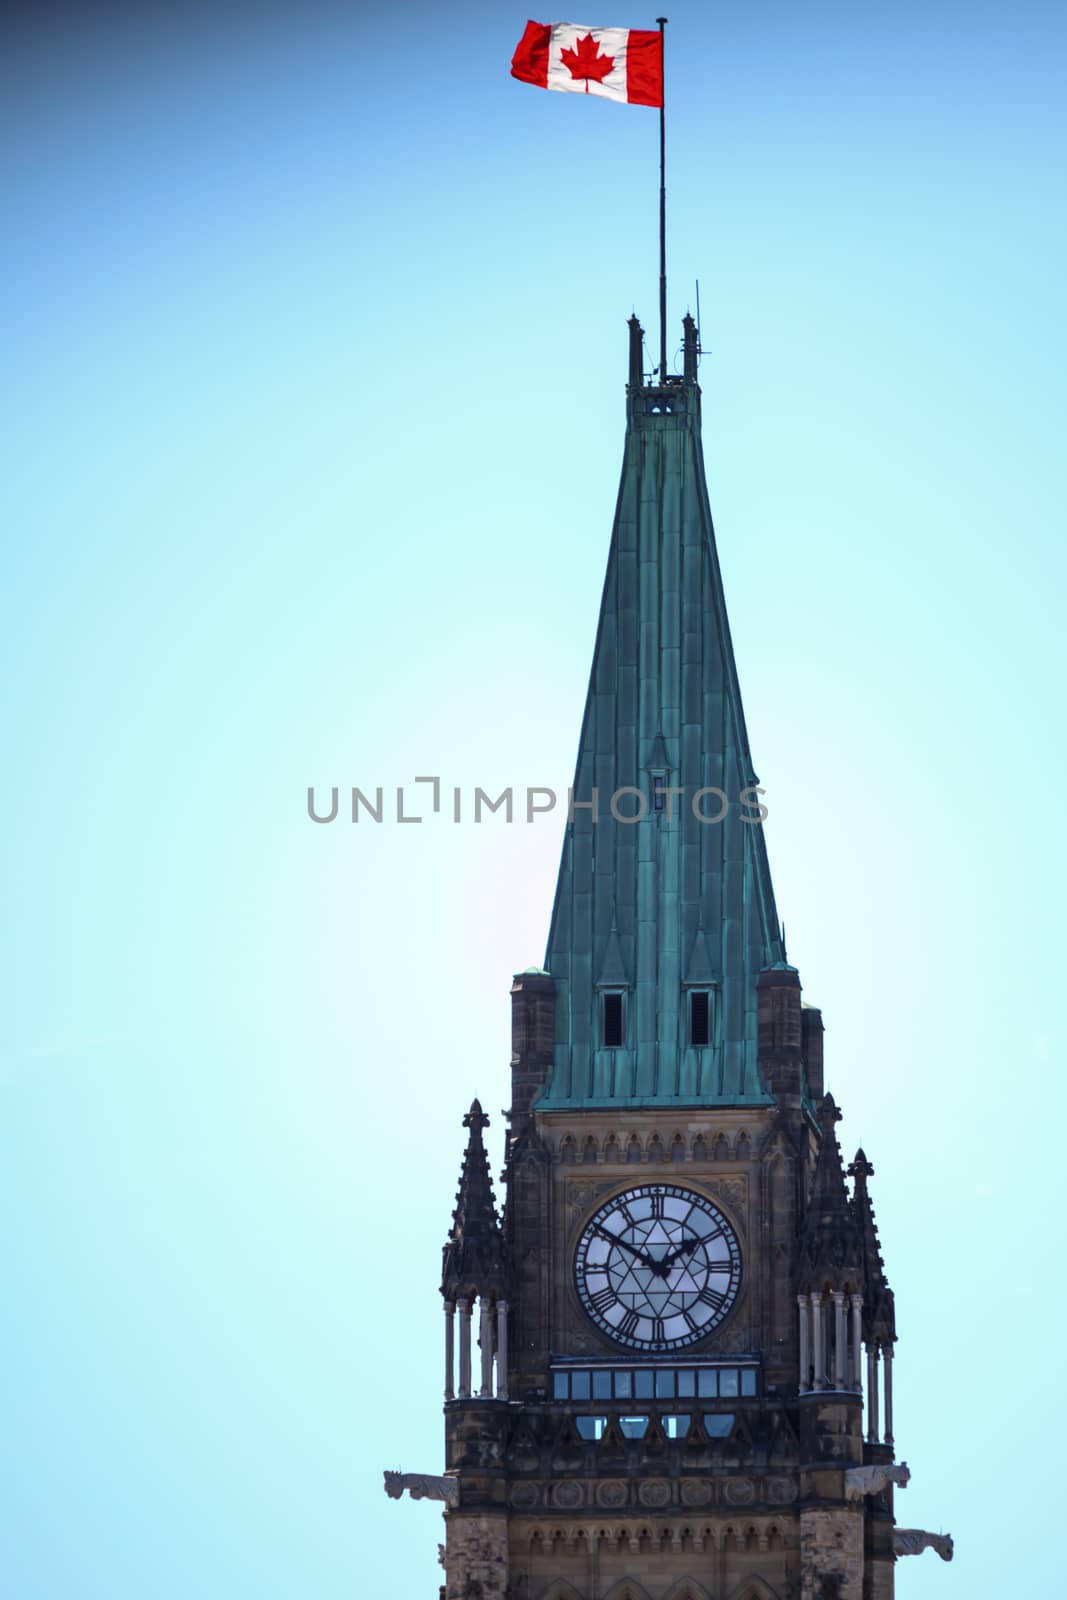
column 586, row 61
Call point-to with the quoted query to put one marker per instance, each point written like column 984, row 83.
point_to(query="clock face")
column 658, row 1267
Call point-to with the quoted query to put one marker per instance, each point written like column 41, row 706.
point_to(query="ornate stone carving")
column 695, row 1492
column 872, row 1480
column 656, row 1492
column 612, row 1492
column 913, row 1541
column 567, row 1494
column 781, row 1491
column 579, row 1197
column 524, row 1496
column 422, row 1486
column 732, row 1190
column 739, row 1491
column 476, row 1558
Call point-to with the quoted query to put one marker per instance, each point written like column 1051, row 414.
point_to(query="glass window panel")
column 590, row 1427
column 687, row 1385
column 642, row 1386
column 559, row 1386
column 665, row 1385
column 623, row 1385
column 633, row 1427
column 601, row 1385
column 717, row 1424
column 706, row 1379
column 579, row 1386
column 728, row 1382
column 748, row 1380
column 676, row 1427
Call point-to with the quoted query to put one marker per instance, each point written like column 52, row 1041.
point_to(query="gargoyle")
column 422, row 1486
column 872, row 1480
column 913, row 1541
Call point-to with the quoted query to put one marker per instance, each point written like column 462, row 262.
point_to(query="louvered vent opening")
column 613, row 1020
column 699, row 1017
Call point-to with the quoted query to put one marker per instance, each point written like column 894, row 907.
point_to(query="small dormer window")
column 699, row 1017
column 613, row 1019
column 659, row 791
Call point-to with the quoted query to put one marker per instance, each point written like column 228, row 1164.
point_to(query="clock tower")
column 669, row 1357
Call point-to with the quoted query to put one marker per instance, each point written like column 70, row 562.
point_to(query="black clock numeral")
column 656, row 1202
column 628, row 1325
column 711, row 1297
column 690, row 1324
column 602, row 1300
column 658, row 1333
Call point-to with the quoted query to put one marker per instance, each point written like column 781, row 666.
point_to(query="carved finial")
column 860, row 1168
column 637, row 358
column 828, row 1113
column 476, row 1117
column 474, row 1257
column 690, row 348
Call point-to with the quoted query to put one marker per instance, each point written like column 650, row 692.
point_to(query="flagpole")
column 662, row 22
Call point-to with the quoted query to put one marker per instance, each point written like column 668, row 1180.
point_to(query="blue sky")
column 315, row 345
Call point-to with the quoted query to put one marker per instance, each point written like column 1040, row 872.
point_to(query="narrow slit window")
column 613, row 1020
column 699, row 1017
column 659, row 791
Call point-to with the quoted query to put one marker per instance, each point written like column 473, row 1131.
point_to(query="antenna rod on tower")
column 662, row 21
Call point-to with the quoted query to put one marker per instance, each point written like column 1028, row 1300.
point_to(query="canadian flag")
column 616, row 63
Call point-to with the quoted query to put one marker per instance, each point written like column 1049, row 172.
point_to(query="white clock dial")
column 658, row 1267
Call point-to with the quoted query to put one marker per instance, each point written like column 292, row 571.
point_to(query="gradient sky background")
column 314, row 360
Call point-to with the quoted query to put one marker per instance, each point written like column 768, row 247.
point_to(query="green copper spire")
column 648, row 911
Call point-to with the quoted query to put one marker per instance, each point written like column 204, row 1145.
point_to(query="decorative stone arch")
column 627, row 1589
column 720, row 1150
column 589, row 1151
column 700, row 1148
column 568, row 1153
column 656, row 1151
column 677, row 1151
column 611, row 1149
column 753, row 1589
column 562, row 1590
column 634, row 1152
column 687, row 1589
column 743, row 1148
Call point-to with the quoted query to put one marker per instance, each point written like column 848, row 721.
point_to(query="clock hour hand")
column 684, row 1249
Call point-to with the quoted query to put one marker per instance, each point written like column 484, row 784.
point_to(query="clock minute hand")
column 613, row 1238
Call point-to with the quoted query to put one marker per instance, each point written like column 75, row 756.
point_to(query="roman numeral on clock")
column 656, row 1202
column 711, row 1297
column 658, row 1335
column 602, row 1300
column 628, row 1325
